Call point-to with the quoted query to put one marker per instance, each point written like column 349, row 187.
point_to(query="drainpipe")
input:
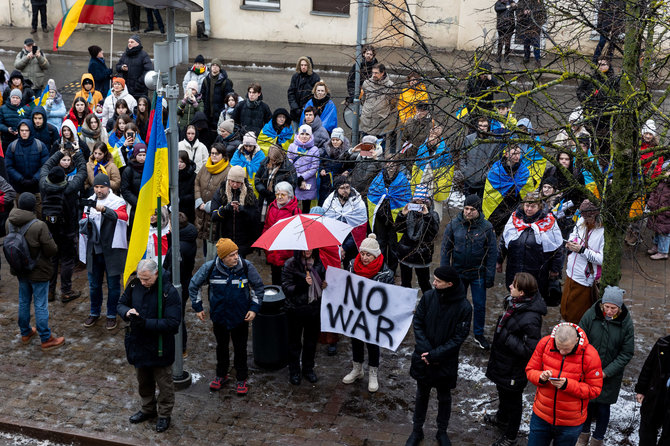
column 63, row 6
column 205, row 7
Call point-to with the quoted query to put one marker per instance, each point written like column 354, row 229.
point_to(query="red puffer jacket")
column 274, row 214
column 581, row 367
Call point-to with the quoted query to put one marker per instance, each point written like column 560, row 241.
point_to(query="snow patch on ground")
column 18, row 440
column 195, row 377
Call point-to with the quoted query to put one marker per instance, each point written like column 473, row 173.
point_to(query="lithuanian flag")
column 155, row 184
column 99, row 12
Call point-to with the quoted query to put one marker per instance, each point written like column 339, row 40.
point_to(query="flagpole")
column 111, row 52
column 159, row 242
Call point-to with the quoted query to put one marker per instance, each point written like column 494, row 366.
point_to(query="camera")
column 89, row 203
column 35, row 49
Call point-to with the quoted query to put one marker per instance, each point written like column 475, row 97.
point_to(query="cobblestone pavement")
column 88, row 388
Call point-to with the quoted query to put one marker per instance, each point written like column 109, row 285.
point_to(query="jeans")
column 303, row 333
column 510, row 410
column 478, row 291
column 42, row 10
column 541, row 433
column 239, row 335
column 38, row 293
column 358, row 353
column 421, row 406
column 662, row 242
column 535, row 43
column 150, row 19
column 422, row 276
column 95, row 286
column 601, row 412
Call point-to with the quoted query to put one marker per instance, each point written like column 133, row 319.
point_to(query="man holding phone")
column 567, row 372
column 32, row 64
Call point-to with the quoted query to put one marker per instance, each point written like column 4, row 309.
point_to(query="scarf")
column 512, row 304
column 197, row 70
column 99, row 168
column 315, row 289
column 217, row 168
column 371, row 269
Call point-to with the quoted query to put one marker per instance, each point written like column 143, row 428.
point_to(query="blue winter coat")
column 328, row 115
column 101, row 74
column 56, row 112
column 142, row 343
column 48, row 134
column 23, row 159
column 232, row 292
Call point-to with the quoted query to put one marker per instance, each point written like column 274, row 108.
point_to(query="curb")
column 40, row 431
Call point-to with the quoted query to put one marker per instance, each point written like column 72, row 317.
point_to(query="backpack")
column 17, row 251
column 53, row 206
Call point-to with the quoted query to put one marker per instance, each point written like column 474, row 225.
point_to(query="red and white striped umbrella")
column 302, row 232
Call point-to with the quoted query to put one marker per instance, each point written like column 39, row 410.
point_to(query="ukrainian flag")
column 398, row 193
column 37, row 101
column 442, row 166
column 155, row 184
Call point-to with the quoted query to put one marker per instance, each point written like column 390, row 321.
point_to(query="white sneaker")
column 355, row 374
column 373, row 383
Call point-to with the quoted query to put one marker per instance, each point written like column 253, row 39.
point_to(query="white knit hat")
column 649, row 127
column 371, row 245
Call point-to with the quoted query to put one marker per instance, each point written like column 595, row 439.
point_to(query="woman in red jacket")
column 567, row 372
column 285, row 205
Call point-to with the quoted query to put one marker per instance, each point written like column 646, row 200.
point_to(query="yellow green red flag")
column 99, row 12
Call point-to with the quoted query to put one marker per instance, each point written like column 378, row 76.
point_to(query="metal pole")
column 205, row 7
column 111, row 54
column 63, row 6
column 180, row 377
column 361, row 32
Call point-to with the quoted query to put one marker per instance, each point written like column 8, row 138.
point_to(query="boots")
column 583, row 439
column 373, row 384
column 595, row 442
column 355, row 374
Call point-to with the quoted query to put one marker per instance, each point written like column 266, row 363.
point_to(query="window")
column 267, row 5
column 340, row 7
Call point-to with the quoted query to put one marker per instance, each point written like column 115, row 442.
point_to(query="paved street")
column 87, row 389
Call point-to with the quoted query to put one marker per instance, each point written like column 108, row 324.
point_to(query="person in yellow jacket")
column 88, row 91
column 414, row 94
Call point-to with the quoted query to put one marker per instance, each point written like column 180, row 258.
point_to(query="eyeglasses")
column 281, row 194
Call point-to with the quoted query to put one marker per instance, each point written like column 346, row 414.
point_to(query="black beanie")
column 101, row 180
column 56, row 175
column 551, row 181
column 199, row 59
column 27, row 202
column 448, row 274
column 474, row 201
column 94, row 50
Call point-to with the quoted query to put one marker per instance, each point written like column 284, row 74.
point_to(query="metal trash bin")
column 270, row 331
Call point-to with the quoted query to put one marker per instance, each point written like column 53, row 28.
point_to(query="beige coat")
column 379, row 114
column 206, row 186
column 112, row 171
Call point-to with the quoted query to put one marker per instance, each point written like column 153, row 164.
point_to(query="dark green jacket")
column 615, row 342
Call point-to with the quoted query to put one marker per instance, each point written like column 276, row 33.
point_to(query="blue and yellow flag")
column 37, row 101
column 155, row 183
column 442, row 166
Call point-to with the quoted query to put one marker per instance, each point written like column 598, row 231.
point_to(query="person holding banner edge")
column 369, row 263
column 441, row 325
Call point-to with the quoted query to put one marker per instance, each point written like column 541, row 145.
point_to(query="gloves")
column 137, row 322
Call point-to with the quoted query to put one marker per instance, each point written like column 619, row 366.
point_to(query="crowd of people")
column 73, row 177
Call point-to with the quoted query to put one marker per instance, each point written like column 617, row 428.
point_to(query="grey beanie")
column 613, row 295
column 15, row 92
column 136, row 38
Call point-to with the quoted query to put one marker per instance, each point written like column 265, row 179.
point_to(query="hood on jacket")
column 68, row 123
column 281, row 111
column 309, row 65
column 582, row 342
column 19, row 217
column 31, row 137
column 16, row 74
column 39, row 110
column 316, row 124
column 199, row 120
column 86, row 76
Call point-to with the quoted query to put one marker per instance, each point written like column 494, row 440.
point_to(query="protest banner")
column 374, row 312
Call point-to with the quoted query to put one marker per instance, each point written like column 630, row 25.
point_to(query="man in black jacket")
column 441, row 324
column 653, row 393
column 150, row 341
column 214, row 89
column 133, row 65
column 469, row 245
column 369, row 60
column 300, row 89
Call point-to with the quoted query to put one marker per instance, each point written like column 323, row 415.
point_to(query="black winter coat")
column 251, row 116
column 142, row 341
column 417, row 243
column 286, row 173
column 505, row 20
column 131, row 181
column 652, row 382
column 70, row 189
column 242, row 227
column 299, row 92
column 470, row 248
column 187, row 191
column 441, row 325
column 214, row 96
column 293, row 281
column 231, row 143
column 139, row 63
column 48, row 133
column 102, row 75
column 514, row 344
